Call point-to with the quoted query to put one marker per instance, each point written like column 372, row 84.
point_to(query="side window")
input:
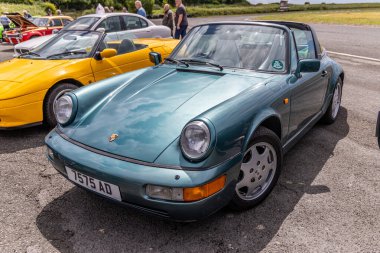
column 132, row 22
column 143, row 23
column 124, row 46
column 56, row 22
column 305, row 44
column 111, row 24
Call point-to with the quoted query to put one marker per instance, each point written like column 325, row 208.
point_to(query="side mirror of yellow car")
column 108, row 53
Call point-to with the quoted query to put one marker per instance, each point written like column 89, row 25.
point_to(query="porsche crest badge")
column 113, row 137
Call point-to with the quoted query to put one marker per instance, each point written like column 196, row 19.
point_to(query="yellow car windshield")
column 67, row 45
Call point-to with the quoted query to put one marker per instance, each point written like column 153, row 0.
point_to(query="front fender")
column 256, row 122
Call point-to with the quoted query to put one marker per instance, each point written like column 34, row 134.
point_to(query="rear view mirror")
column 307, row 66
column 155, row 58
column 108, row 53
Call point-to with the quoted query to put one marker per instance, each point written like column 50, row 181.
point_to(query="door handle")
column 324, row 73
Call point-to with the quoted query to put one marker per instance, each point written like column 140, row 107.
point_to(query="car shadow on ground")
column 79, row 221
column 20, row 139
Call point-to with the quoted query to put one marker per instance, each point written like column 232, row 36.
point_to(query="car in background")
column 31, row 83
column 36, row 27
column 205, row 129
column 118, row 24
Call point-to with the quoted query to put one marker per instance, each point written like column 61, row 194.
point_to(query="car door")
column 130, row 57
column 308, row 91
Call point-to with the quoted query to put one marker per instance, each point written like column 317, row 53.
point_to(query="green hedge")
column 223, row 9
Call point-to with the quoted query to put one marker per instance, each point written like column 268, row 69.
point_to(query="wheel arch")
column 68, row 80
column 341, row 75
column 269, row 119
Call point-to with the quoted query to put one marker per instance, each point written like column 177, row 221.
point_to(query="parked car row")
column 116, row 25
column 205, row 128
column 26, row 29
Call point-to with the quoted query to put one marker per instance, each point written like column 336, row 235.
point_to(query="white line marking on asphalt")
column 355, row 56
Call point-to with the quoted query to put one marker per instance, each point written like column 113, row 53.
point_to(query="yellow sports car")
column 31, row 83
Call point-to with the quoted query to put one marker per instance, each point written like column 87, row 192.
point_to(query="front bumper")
column 132, row 179
column 13, row 39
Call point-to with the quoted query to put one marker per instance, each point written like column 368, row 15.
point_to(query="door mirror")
column 307, row 66
column 378, row 129
column 108, row 53
column 155, row 58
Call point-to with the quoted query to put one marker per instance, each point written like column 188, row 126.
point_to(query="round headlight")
column 195, row 140
column 63, row 109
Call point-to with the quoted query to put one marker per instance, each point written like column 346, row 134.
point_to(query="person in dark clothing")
column 168, row 18
column 180, row 20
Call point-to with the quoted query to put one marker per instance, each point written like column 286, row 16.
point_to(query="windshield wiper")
column 65, row 53
column 204, row 62
column 177, row 61
column 29, row 53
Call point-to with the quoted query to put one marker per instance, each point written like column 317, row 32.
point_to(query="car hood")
column 149, row 113
column 20, row 21
column 16, row 73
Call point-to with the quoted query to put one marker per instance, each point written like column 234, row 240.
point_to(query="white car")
column 118, row 25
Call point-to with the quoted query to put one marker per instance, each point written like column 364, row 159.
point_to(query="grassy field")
column 34, row 9
column 350, row 17
column 216, row 10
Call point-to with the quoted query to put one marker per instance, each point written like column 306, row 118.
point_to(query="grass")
column 34, row 9
column 349, row 17
column 213, row 10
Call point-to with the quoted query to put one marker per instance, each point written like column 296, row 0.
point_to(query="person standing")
column 168, row 18
column 125, row 10
column 26, row 14
column 140, row 9
column 100, row 9
column 180, row 20
column 59, row 13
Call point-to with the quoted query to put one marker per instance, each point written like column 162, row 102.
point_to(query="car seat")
column 126, row 46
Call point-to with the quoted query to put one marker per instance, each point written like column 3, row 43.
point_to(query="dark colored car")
column 205, row 129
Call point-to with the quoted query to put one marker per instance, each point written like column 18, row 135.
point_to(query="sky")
column 316, row 1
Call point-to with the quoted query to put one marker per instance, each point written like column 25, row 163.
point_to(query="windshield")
column 252, row 47
column 40, row 21
column 66, row 45
column 82, row 23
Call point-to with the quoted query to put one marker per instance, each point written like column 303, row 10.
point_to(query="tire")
column 53, row 94
column 333, row 111
column 258, row 175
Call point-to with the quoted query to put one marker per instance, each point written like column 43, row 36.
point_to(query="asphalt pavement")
column 327, row 198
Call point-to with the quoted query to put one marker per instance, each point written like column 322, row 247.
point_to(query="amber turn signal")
column 204, row 191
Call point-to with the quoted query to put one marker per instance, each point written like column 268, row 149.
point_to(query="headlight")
column 195, row 140
column 63, row 109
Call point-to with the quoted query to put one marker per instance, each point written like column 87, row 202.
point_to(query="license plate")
column 101, row 187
